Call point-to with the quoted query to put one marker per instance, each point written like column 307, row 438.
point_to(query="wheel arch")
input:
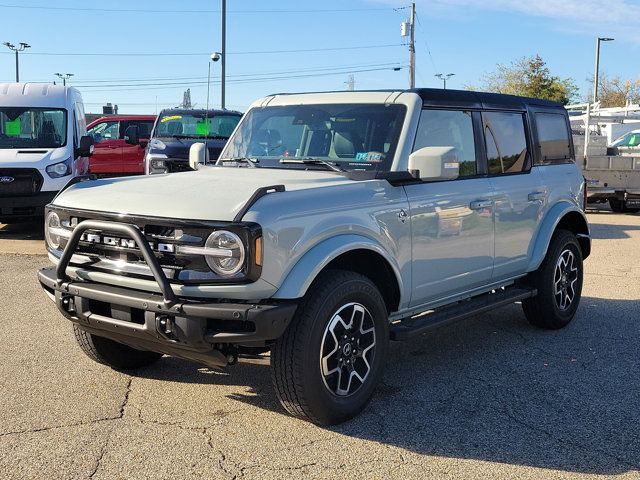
column 564, row 216
column 346, row 252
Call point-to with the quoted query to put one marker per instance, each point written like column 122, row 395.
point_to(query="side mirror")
column 131, row 135
column 198, row 155
column 86, row 146
column 435, row 163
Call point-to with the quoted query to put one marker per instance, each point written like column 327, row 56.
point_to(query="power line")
column 241, row 75
column 178, row 85
column 141, row 10
column 202, row 54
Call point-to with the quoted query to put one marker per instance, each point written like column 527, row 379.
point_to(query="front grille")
column 19, row 182
column 178, row 166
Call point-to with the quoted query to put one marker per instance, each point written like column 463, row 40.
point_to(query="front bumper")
column 190, row 329
column 197, row 330
column 25, row 206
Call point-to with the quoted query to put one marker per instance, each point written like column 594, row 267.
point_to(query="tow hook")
column 166, row 327
column 230, row 352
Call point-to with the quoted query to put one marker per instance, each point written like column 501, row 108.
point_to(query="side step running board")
column 417, row 325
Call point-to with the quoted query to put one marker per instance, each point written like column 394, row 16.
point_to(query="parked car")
column 43, row 145
column 176, row 130
column 113, row 155
column 331, row 223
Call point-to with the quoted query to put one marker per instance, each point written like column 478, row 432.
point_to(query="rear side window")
column 449, row 128
column 553, row 138
column 506, row 140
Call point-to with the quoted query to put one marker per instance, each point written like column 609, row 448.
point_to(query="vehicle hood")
column 31, row 158
column 211, row 193
column 179, row 149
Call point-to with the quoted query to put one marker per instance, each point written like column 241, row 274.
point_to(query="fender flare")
column 304, row 272
column 548, row 226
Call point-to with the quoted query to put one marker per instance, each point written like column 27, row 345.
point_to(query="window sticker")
column 369, row 157
column 172, row 117
column 13, row 128
column 202, row 127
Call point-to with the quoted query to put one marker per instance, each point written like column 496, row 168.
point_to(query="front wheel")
column 559, row 284
column 327, row 364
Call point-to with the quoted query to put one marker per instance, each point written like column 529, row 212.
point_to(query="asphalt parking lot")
column 491, row 397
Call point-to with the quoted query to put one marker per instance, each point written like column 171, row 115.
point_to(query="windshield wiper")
column 252, row 162
column 313, row 161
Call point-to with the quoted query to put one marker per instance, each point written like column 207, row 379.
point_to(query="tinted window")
column 506, row 142
column 553, row 137
column 449, row 128
column 144, row 129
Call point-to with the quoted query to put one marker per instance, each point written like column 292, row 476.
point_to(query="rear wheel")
column 620, row 206
column 328, row 362
column 559, row 284
column 115, row 355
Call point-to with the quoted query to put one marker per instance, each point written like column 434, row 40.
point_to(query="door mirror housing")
column 131, row 135
column 86, row 146
column 198, row 155
column 435, row 163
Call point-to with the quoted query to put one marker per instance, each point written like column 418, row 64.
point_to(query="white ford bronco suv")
column 331, row 224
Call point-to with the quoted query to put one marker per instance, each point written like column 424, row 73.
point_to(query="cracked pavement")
column 490, row 397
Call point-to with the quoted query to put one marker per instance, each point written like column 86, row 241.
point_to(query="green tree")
column 615, row 92
column 529, row 77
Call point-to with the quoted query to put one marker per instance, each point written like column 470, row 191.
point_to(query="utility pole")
column 22, row 46
column 597, row 74
column 64, row 77
column 444, row 78
column 223, row 60
column 412, row 48
column 351, row 83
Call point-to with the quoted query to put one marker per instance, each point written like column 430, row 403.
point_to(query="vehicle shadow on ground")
column 607, row 231
column 22, row 231
column 494, row 389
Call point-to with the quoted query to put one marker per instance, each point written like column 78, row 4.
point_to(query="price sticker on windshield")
column 171, row 117
column 369, row 157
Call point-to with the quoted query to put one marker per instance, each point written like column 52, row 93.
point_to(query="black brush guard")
column 192, row 329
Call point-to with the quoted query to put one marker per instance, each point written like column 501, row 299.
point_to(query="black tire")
column 616, row 205
column 297, row 357
column 115, row 355
column 548, row 309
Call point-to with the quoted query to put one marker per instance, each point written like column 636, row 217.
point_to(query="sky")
column 143, row 55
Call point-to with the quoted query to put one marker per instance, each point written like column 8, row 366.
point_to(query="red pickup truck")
column 112, row 155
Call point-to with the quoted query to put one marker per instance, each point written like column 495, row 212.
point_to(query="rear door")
column 519, row 192
column 451, row 221
column 133, row 155
column 107, row 150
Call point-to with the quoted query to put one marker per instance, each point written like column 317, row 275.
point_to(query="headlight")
column 51, row 226
column 157, row 163
column 58, row 170
column 230, row 259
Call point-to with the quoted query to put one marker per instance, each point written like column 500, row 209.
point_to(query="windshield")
column 28, row 127
column 629, row 140
column 353, row 136
column 196, row 125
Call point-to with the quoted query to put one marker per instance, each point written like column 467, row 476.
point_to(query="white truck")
column 612, row 174
column 43, row 145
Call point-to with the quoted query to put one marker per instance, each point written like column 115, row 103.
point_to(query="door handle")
column 480, row 204
column 537, row 196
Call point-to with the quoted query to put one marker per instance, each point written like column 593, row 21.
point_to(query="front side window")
column 506, row 141
column 553, row 137
column 196, row 125
column 144, row 128
column 353, row 136
column 32, row 127
column 449, row 128
column 104, row 131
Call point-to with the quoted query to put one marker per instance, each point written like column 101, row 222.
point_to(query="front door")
column 451, row 221
column 107, row 148
column 133, row 155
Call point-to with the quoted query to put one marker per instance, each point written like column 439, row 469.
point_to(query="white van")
column 43, row 145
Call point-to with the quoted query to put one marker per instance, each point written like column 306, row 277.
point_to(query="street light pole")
column 223, row 51
column 444, row 78
column 21, row 46
column 597, row 73
column 64, row 77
